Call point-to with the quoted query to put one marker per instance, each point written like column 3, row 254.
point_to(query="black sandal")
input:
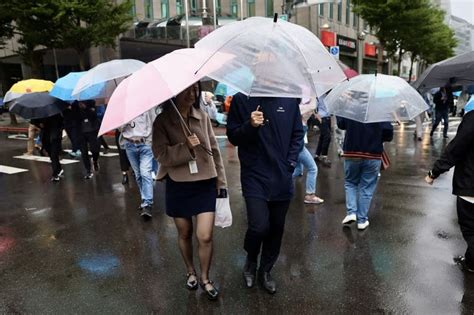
column 191, row 285
column 213, row 293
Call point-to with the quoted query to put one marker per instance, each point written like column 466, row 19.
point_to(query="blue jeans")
column 141, row 160
column 305, row 160
column 360, row 183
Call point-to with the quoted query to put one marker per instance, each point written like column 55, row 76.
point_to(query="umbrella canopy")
column 157, row 82
column 27, row 86
column 37, row 105
column 111, row 72
column 457, row 70
column 348, row 72
column 278, row 58
column 375, row 98
column 64, row 86
column 224, row 90
column 469, row 105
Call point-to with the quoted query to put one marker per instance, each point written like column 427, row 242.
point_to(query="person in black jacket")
column 460, row 154
column 52, row 128
column 443, row 100
column 89, row 129
column 363, row 148
column 269, row 135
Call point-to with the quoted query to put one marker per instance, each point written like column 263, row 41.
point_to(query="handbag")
column 223, row 217
column 385, row 160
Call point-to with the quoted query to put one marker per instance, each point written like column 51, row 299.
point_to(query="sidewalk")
column 7, row 126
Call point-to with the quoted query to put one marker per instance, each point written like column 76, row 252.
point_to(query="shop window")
column 165, row 8
column 148, row 9
column 234, row 8
column 179, row 7
column 269, row 8
column 251, row 8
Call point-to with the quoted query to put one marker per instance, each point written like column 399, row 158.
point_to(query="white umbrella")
column 375, row 98
column 111, row 72
column 457, row 70
column 273, row 58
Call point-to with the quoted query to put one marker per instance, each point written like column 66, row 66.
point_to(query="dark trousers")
column 444, row 115
column 266, row 222
column 466, row 223
column 124, row 162
column 73, row 134
column 89, row 141
column 51, row 140
column 324, row 136
column 103, row 143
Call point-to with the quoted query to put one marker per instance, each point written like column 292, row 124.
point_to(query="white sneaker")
column 363, row 226
column 350, row 218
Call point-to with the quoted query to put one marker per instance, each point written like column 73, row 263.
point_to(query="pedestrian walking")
column 137, row 139
column 306, row 161
column 443, row 100
column 269, row 135
column 89, row 125
column 363, row 148
column 72, row 125
column 52, row 128
column 191, row 164
column 325, row 132
column 100, row 110
column 459, row 154
column 30, row 145
column 124, row 162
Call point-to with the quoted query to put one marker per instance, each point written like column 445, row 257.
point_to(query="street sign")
column 284, row 17
column 334, row 51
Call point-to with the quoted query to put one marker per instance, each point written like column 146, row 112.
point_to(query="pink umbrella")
column 349, row 72
column 157, row 82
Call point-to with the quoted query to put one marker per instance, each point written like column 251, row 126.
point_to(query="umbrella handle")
column 275, row 18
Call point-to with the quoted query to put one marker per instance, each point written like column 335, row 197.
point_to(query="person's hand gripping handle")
column 256, row 118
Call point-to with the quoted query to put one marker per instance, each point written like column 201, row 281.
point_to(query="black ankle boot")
column 250, row 271
column 266, row 280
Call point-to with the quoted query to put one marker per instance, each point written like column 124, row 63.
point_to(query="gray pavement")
column 79, row 246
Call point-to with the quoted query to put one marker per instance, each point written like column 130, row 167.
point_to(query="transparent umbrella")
column 110, row 72
column 273, row 58
column 375, row 98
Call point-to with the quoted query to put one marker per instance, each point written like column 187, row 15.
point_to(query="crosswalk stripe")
column 18, row 137
column 101, row 154
column 11, row 170
column 43, row 159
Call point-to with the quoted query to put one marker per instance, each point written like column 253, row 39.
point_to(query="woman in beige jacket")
column 192, row 167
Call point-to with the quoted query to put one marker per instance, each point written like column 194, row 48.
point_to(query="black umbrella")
column 37, row 105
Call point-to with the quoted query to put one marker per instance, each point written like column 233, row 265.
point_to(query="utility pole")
column 186, row 9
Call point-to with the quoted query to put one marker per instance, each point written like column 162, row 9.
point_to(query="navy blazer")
column 267, row 154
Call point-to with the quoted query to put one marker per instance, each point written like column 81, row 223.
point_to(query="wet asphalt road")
column 80, row 247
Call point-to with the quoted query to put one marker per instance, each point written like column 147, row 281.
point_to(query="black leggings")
column 89, row 141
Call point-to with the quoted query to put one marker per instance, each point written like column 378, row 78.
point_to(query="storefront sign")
column 328, row 38
column 370, row 50
column 346, row 43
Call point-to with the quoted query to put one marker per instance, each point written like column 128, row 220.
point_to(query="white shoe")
column 363, row 226
column 350, row 218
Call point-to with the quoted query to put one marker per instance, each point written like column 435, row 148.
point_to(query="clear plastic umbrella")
column 111, row 72
column 375, row 98
column 273, row 58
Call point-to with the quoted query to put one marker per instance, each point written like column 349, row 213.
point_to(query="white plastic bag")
column 223, row 216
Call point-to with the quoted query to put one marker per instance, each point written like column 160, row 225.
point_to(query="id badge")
column 193, row 168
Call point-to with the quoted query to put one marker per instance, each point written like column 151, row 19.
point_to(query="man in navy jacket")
column 269, row 135
column 363, row 147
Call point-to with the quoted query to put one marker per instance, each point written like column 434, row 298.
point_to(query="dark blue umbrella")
column 37, row 105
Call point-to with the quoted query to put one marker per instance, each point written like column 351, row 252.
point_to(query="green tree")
column 88, row 23
column 6, row 26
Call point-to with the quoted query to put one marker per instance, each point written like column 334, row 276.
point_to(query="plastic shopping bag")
column 223, row 216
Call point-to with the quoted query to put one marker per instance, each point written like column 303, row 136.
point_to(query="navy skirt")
column 187, row 199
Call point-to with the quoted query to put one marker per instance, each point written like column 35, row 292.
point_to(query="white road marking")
column 43, row 159
column 18, row 137
column 11, row 170
column 101, row 154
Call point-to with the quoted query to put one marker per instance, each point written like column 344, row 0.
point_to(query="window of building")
column 165, row 8
column 234, row 8
column 269, row 8
column 148, row 4
column 339, row 11
column 355, row 20
column 348, row 12
column 331, row 11
column 321, row 9
column 193, row 7
column 218, row 7
column 179, row 7
column 251, row 8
